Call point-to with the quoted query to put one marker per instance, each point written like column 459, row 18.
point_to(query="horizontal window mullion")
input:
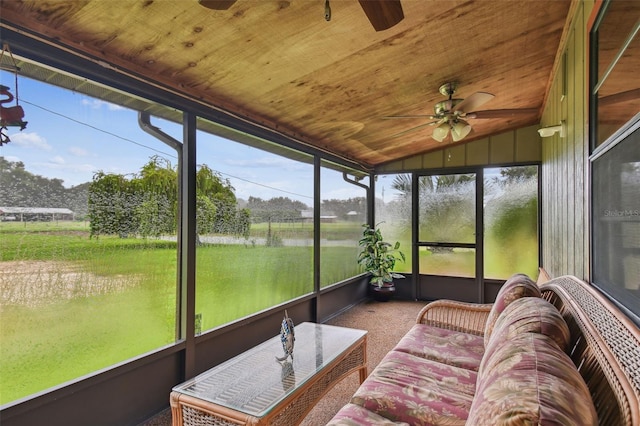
column 453, row 245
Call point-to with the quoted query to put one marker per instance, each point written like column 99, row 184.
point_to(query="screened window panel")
column 343, row 210
column 447, row 208
column 617, row 43
column 510, row 221
column 88, row 258
column 255, row 230
column 393, row 213
column 619, row 95
column 616, row 221
column 447, row 261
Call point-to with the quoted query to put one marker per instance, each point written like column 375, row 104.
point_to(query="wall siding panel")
column 511, row 147
column 564, row 159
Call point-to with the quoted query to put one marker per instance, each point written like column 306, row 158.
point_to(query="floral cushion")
column 530, row 381
column 519, row 285
column 355, row 415
column 528, row 314
column 438, row 344
column 407, row 388
column 532, row 314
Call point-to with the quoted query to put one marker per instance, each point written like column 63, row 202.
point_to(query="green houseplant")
column 379, row 257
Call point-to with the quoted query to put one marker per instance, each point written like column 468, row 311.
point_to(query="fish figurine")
column 287, row 337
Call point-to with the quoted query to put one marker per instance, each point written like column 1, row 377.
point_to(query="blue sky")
column 71, row 136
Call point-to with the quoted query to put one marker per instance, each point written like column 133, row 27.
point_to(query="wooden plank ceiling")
column 328, row 84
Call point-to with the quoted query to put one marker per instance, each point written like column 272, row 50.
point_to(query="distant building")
column 307, row 215
column 33, row 214
column 354, row 216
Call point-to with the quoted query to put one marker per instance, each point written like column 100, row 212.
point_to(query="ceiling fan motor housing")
column 442, row 108
column 448, row 89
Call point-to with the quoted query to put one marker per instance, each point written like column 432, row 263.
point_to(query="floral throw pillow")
column 516, row 287
column 530, row 381
column 527, row 315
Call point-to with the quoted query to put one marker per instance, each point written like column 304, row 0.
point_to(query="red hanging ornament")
column 13, row 115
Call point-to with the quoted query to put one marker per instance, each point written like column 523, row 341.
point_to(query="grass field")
column 71, row 305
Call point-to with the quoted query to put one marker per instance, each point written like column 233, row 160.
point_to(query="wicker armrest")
column 458, row 316
column 605, row 347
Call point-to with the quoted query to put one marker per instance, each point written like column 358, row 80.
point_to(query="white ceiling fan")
column 451, row 115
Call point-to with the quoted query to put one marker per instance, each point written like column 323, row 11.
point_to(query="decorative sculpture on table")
column 287, row 337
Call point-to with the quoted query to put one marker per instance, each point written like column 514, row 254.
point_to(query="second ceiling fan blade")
column 502, row 113
column 383, row 14
column 217, row 4
column 413, row 129
column 473, row 102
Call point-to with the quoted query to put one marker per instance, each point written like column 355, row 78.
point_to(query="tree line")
column 146, row 204
column 20, row 188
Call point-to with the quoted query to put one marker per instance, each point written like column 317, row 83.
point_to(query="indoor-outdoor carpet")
column 386, row 323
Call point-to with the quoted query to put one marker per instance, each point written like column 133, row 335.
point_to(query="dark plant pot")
column 382, row 294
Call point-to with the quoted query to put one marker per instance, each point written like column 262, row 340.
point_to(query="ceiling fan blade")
column 502, row 113
column 474, row 101
column 413, row 129
column 217, row 4
column 383, row 14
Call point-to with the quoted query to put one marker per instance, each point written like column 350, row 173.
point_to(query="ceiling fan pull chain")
column 327, row 11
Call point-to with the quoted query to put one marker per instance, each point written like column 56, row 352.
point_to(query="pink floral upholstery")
column 528, row 314
column 438, row 344
column 407, row 388
column 355, row 415
column 532, row 314
column 530, row 381
column 519, row 285
column 517, row 374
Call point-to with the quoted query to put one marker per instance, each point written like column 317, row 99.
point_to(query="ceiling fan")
column 383, row 14
column 451, row 116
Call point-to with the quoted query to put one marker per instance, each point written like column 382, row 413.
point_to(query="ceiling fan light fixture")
column 440, row 132
column 459, row 130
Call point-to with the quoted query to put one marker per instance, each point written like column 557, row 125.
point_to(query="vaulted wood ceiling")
column 328, row 84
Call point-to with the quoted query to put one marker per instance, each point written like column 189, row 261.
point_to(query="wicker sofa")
column 546, row 353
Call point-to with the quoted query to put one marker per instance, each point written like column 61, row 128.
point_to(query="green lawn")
column 72, row 305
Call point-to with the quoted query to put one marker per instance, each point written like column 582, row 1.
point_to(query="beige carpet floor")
column 386, row 323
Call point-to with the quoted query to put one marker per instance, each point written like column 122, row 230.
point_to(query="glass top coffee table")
column 255, row 388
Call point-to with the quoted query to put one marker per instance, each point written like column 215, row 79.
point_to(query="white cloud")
column 78, row 152
column 343, row 193
column 57, row 160
column 12, row 158
column 59, row 164
column 97, row 104
column 269, row 162
column 30, row 140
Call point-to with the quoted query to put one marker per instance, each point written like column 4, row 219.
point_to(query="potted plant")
column 379, row 257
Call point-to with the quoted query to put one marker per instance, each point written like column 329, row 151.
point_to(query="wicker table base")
column 224, row 396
